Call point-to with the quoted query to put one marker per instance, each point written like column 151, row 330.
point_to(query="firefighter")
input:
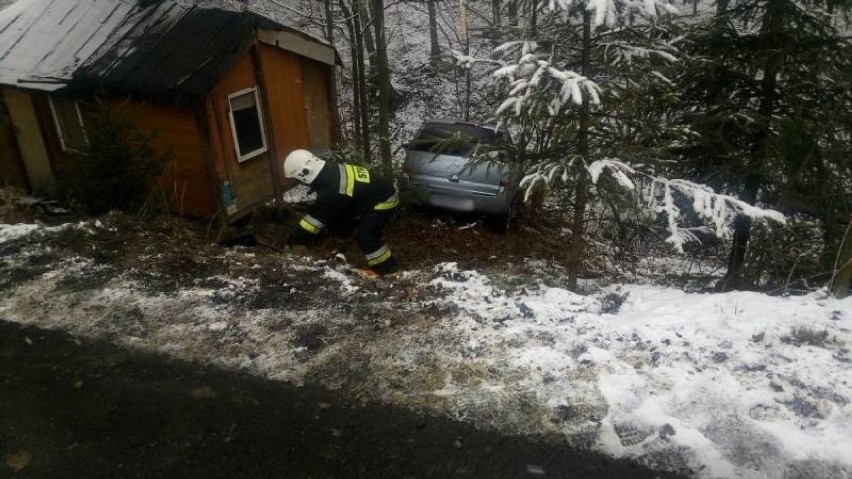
column 348, row 197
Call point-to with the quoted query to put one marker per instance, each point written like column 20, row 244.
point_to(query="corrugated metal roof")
column 43, row 41
column 160, row 48
column 169, row 49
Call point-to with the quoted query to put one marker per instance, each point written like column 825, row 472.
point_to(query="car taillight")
column 406, row 169
column 504, row 183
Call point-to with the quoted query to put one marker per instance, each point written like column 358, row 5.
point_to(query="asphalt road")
column 71, row 408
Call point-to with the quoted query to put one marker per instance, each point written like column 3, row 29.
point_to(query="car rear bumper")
column 460, row 201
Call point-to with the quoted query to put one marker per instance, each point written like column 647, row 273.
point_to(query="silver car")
column 463, row 167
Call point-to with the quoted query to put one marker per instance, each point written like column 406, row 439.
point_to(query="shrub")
column 118, row 167
column 804, row 335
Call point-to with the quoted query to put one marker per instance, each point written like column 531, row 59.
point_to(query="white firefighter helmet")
column 303, row 166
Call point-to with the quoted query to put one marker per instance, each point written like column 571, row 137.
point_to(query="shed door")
column 317, row 104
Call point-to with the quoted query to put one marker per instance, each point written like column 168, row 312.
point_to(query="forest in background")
column 693, row 111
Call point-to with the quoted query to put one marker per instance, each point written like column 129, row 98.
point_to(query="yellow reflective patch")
column 361, row 174
column 308, row 227
column 389, row 204
column 381, row 259
column 350, row 180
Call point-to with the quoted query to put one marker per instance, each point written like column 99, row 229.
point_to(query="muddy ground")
column 96, row 404
column 76, row 408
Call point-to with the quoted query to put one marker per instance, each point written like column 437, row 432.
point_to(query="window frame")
column 54, row 111
column 265, row 146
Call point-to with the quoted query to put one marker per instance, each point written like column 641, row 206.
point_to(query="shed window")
column 247, row 123
column 69, row 124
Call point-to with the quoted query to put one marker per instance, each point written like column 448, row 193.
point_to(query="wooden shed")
column 229, row 92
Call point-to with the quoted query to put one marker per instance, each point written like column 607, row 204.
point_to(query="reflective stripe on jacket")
column 345, row 193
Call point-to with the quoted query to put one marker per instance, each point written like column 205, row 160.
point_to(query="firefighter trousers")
column 368, row 235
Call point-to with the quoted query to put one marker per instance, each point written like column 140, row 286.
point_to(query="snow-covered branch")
column 625, row 53
column 468, row 61
column 670, row 198
column 535, row 83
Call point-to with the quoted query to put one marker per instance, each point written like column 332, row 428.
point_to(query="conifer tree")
column 768, row 91
column 579, row 63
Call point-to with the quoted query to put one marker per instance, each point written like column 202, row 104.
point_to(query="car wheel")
column 502, row 223
column 499, row 224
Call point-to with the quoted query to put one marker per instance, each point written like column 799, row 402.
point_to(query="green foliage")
column 766, row 86
column 807, row 335
column 621, row 105
column 787, row 259
column 118, row 168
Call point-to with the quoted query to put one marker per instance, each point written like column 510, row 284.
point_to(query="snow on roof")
column 138, row 46
column 43, row 41
column 170, row 48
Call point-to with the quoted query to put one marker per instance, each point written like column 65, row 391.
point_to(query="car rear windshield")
column 452, row 138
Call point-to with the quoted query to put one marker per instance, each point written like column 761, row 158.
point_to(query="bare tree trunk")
column 581, row 191
column 369, row 43
column 513, row 13
column 434, row 46
column 329, row 22
column 367, row 31
column 741, row 238
column 335, row 110
column 356, row 80
column 532, row 26
column 771, row 27
column 465, row 39
column 363, row 89
column 843, row 266
column 495, row 13
column 383, row 80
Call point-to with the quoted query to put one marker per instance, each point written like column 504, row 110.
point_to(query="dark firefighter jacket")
column 345, row 193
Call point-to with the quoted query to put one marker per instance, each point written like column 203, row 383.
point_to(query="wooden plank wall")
column 286, row 94
column 185, row 179
column 317, row 104
column 251, row 180
column 28, row 134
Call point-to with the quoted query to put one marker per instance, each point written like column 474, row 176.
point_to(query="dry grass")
column 422, row 238
column 419, row 239
column 807, row 336
column 12, row 209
